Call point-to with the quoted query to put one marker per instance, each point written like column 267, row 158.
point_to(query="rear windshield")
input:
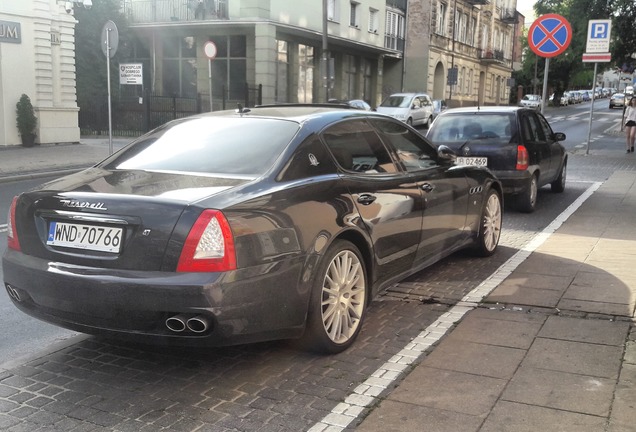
column 215, row 145
column 471, row 126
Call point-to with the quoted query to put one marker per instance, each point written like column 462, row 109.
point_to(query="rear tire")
column 409, row 121
column 429, row 121
column 527, row 200
column 558, row 185
column 489, row 225
column 338, row 300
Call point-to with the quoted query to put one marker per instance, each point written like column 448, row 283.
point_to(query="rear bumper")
column 249, row 305
column 513, row 182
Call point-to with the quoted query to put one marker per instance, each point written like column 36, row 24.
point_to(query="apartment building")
column 275, row 44
column 37, row 59
column 461, row 50
column 373, row 47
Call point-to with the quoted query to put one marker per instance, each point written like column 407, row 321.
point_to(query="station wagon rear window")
column 470, row 126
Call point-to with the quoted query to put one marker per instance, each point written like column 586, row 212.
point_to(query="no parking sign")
column 549, row 35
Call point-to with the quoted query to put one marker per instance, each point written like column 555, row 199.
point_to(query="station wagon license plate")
column 88, row 237
column 471, row 161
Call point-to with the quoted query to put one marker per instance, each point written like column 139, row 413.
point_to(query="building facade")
column 308, row 52
column 274, row 44
column 37, row 59
column 461, row 50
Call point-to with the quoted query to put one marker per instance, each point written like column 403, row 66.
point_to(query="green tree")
column 623, row 34
column 90, row 61
column 568, row 70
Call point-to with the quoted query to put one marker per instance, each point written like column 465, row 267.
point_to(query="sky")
column 525, row 7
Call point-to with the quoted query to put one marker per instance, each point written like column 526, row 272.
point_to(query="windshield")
column 397, row 102
column 215, row 145
column 471, row 126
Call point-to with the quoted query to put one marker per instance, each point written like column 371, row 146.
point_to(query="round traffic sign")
column 210, row 50
column 549, row 35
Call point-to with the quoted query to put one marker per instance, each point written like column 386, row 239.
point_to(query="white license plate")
column 471, row 161
column 90, row 237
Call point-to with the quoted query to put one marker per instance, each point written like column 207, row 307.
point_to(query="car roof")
column 487, row 110
column 295, row 112
column 409, row 94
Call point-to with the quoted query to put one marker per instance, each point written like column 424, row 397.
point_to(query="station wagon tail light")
column 12, row 232
column 209, row 246
column 523, row 160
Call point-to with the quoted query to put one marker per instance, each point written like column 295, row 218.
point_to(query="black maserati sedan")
column 275, row 222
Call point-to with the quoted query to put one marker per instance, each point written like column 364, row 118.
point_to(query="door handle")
column 366, row 199
column 427, row 187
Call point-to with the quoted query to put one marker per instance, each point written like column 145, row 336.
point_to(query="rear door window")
column 356, row 147
column 414, row 151
column 531, row 128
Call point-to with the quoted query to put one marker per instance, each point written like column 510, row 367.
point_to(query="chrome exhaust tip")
column 198, row 324
column 13, row 293
column 177, row 323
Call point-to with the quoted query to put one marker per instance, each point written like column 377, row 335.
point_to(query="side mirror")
column 445, row 152
column 559, row 136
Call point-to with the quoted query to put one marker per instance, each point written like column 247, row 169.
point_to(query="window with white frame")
column 354, row 20
column 305, row 73
column 471, row 31
column 440, row 28
column 463, row 30
column 484, row 37
column 394, row 31
column 333, row 7
column 374, row 20
column 282, row 72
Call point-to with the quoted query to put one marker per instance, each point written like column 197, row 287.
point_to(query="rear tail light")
column 209, row 246
column 523, row 160
column 12, row 232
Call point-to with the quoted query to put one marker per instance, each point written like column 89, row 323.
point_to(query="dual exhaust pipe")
column 182, row 322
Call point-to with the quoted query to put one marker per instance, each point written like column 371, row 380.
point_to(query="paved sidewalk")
column 553, row 347
column 18, row 161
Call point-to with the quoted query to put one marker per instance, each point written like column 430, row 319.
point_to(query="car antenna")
column 240, row 110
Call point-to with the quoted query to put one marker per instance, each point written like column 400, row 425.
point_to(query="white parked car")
column 531, row 101
column 411, row 108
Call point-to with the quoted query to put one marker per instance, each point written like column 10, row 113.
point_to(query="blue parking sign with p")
column 599, row 30
column 598, row 36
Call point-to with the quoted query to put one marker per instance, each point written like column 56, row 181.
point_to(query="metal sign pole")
column 110, row 117
column 589, row 128
column 544, row 95
column 210, row 78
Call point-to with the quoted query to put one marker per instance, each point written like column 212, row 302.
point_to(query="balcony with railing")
column 508, row 16
column 478, row 2
column 490, row 55
column 153, row 11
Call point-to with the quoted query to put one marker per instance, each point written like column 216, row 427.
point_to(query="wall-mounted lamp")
column 68, row 6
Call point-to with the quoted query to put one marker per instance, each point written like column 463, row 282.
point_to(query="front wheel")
column 489, row 225
column 338, row 300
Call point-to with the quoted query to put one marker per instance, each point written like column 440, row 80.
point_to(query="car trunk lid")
column 115, row 219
